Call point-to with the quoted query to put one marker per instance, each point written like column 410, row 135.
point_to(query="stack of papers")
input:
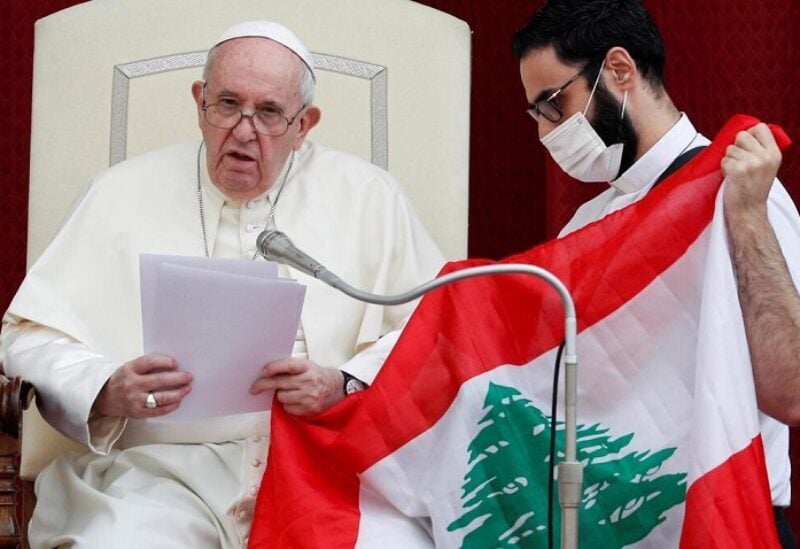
column 222, row 320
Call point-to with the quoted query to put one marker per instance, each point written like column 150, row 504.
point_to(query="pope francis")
column 74, row 327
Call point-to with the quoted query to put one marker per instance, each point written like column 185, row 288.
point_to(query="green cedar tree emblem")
column 505, row 502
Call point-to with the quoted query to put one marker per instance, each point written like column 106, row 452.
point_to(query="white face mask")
column 579, row 151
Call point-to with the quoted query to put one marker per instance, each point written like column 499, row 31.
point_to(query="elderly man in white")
column 73, row 328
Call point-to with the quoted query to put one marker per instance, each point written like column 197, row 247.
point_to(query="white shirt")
column 640, row 177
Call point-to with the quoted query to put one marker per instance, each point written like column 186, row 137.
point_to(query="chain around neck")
column 200, row 207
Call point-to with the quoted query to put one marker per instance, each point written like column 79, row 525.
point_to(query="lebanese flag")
column 450, row 445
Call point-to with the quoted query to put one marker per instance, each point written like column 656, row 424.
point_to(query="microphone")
column 276, row 246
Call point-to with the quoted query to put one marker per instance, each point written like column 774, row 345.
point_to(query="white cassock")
column 76, row 319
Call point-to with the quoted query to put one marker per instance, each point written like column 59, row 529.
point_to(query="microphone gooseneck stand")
column 276, row 246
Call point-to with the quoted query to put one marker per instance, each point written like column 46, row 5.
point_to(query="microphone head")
column 276, row 246
column 268, row 239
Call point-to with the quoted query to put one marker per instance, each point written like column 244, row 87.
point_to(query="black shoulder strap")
column 678, row 163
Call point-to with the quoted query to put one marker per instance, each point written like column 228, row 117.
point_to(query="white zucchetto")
column 272, row 31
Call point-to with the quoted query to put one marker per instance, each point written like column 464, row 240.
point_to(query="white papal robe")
column 76, row 319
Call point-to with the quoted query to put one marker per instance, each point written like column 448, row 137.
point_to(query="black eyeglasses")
column 547, row 108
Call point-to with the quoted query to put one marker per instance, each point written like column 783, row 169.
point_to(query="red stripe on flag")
column 296, row 485
column 730, row 504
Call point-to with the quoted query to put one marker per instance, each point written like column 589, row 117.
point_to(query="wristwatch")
column 352, row 384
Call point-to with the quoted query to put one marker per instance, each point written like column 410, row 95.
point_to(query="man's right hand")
column 125, row 392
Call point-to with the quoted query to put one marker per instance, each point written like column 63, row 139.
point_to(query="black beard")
column 611, row 129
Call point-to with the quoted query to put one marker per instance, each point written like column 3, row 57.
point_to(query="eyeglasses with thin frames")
column 226, row 114
column 548, row 108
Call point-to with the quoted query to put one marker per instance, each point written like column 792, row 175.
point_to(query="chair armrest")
column 15, row 396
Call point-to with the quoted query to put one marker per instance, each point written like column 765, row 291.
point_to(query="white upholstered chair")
column 112, row 79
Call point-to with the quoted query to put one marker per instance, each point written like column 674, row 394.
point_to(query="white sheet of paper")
column 222, row 320
column 149, row 270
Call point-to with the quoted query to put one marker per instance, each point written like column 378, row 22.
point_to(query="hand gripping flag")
column 449, row 447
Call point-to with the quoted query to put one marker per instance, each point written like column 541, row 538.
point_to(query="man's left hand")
column 750, row 165
column 302, row 386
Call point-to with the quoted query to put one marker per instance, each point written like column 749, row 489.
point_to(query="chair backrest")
column 112, row 79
